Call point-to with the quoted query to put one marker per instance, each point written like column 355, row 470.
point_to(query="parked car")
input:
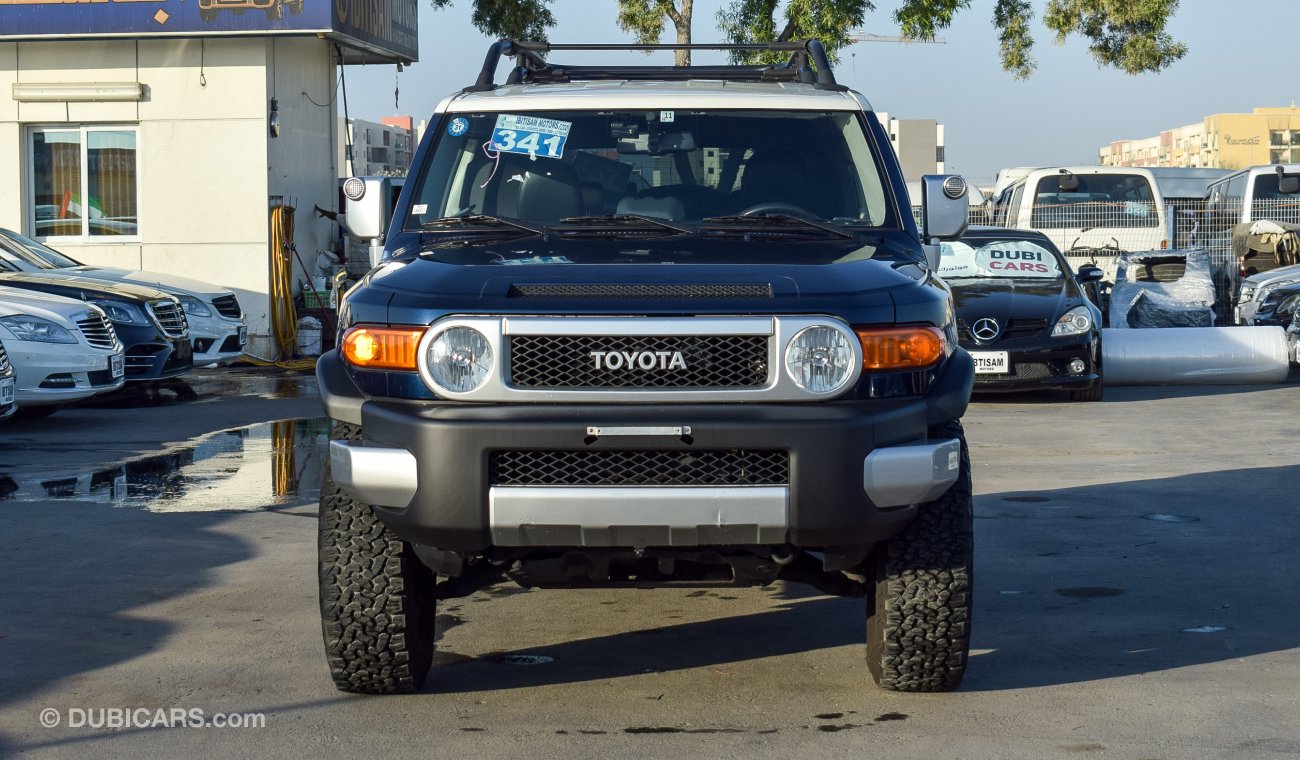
column 218, row 328
column 1260, row 192
column 1022, row 314
column 61, row 349
column 1091, row 213
column 8, row 404
column 149, row 323
column 1258, row 288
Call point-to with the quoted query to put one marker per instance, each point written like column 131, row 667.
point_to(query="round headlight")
column 820, row 359
column 459, row 359
column 354, row 188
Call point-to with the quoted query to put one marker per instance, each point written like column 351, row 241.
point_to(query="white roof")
column 699, row 93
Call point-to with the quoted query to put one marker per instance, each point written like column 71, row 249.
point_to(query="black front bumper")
column 1043, row 367
column 827, row 444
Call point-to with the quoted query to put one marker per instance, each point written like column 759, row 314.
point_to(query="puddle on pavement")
column 262, row 466
column 203, row 386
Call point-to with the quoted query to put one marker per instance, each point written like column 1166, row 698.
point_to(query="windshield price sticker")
column 530, row 135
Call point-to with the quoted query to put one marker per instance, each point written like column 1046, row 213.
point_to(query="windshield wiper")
column 768, row 220
column 483, row 219
column 619, row 218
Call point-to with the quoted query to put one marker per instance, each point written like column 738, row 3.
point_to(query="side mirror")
column 366, row 207
column 945, row 211
column 1068, row 182
column 1287, row 184
column 1089, row 273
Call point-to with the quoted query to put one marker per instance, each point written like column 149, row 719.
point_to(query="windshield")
column 967, row 259
column 1086, row 201
column 23, row 254
column 676, row 165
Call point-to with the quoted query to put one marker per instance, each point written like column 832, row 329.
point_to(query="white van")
column 1091, row 213
column 1256, row 193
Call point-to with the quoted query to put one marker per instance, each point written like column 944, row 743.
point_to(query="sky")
column 1241, row 56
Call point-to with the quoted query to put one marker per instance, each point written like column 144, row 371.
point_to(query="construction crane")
column 895, row 38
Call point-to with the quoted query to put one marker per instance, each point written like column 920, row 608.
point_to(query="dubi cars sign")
column 380, row 29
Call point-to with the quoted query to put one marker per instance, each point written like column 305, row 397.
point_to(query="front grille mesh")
column 97, row 331
column 651, row 291
column 728, row 467
column 171, row 318
column 712, row 361
column 228, row 306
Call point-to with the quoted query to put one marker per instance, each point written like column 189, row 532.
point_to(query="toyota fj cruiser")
column 644, row 326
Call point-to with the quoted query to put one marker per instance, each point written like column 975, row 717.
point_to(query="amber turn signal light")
column 885, row 348
column 382, row 347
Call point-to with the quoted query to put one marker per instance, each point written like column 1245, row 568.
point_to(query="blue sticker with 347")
column 530, row 135
column 458, row 126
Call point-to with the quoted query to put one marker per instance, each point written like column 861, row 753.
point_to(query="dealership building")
column 163, row 134
column 1223, row 140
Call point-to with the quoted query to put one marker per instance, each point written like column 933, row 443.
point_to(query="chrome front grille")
column 727, row 467
column 170, row 317
column 638, row 361
column 5, row 369
column 97, row 330
column 228, row 306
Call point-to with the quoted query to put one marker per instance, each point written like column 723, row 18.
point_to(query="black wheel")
column 376, row 597
column 1091, row 394
column 918, row 621
column 36, row 412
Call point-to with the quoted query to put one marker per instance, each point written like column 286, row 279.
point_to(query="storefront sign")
column 386, row 28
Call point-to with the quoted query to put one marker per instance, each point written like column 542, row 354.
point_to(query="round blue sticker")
column 458, row 126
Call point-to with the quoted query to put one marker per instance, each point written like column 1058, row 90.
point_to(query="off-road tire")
column 1091, row 394
column 919, row 614
column 376, row 597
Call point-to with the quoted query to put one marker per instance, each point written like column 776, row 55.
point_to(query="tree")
column 1126, row 34
column 645, row 20
column 510, row 19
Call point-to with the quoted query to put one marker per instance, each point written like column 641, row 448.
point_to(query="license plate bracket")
column 6, row 391
column 116, row 366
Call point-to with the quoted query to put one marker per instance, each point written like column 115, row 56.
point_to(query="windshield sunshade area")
column 997, row 259
column 1088, row 201
column 680, row 166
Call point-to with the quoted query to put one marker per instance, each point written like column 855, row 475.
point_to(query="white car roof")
column 697, row 93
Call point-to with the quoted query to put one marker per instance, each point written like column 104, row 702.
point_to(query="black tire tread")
column 918, row 629
column 376, row 597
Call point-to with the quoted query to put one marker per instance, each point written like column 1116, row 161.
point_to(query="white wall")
column 206, row 165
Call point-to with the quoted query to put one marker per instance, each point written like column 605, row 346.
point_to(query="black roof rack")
column 532, row 68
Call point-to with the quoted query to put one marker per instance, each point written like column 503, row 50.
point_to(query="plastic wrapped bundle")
column 1163, row 289
column 1194, row 356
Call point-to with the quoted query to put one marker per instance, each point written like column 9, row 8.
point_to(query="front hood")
column 1281, row 273
column 168, row 283
column 57, row 309
column 1005, row 299
column 849, row 278
column 78, row 287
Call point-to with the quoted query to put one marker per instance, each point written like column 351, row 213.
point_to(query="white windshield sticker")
column 530, row 135
column 1003, row 258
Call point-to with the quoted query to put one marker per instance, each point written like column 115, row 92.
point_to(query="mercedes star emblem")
column 986, row 329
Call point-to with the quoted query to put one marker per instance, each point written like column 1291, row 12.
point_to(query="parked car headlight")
column 1076, row 321
column 194, row 306
column 820, row 359
column 459, row 359
column 1268, row 290
column 26, row 327
column 1287, row 309
column 123, row 312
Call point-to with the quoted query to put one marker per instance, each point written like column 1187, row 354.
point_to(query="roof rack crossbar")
column 530, row 65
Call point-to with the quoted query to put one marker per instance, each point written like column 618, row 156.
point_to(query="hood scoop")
column 642, row 291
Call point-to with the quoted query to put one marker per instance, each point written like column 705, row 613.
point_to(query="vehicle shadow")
column 1072, row 585
column 1131, row 393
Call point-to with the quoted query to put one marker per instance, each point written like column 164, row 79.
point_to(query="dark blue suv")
column 641, row 326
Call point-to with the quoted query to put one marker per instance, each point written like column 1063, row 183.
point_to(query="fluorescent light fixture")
column 80, row 92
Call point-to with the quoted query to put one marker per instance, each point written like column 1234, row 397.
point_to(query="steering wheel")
column 778, row 208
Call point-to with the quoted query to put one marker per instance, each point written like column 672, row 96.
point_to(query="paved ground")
column 1135, row 590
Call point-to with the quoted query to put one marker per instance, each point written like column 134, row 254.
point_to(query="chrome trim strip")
column 895, row 476
column 378, row 476
column 780, row 386
column 637, row 516
column 635, row 326
column 633, row 430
